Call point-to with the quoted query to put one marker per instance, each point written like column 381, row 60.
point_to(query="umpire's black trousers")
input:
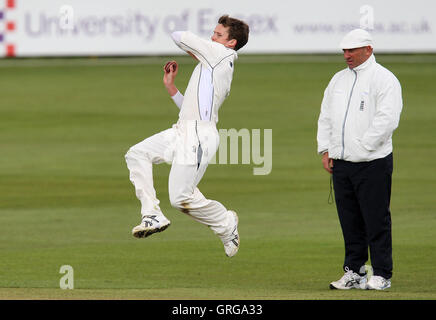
column 362, row 193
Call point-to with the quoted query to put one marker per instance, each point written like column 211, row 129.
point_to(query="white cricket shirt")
column 211, row 79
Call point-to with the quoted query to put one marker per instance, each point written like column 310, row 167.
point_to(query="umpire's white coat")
column 359, row 112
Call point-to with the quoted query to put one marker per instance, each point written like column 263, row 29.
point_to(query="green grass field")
column 66, row 198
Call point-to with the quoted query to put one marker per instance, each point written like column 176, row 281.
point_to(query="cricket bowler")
column 191, row 143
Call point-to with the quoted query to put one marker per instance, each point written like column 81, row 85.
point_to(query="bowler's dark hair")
column 238, row 30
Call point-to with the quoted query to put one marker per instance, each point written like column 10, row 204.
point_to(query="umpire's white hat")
column 356, row 38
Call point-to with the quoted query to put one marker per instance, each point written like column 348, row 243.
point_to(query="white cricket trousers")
column 188, row 146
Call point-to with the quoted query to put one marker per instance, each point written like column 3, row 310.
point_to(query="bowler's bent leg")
column 140, row 159
column 186, row 197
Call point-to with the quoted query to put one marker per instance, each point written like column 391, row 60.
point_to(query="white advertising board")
column 143, row 27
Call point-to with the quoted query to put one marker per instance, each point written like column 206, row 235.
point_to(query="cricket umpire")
column 359, row 112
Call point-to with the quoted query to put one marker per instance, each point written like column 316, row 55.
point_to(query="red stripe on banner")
column 10, row 50
column 10, row 26
column 10, row 4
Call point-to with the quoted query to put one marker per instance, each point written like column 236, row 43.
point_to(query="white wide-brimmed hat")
column 356, row 38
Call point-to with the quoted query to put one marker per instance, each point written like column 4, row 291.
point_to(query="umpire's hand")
column 327, row 162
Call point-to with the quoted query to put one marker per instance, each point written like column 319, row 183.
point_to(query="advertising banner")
column 143, row 27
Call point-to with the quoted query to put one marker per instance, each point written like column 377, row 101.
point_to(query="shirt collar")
column 366, row 64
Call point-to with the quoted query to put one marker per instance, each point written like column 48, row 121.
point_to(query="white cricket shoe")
column 150, row 224
column 378, row 283
column 350, row 280
column 231, row 243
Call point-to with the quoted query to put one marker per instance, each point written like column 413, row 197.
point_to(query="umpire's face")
column 356, row 56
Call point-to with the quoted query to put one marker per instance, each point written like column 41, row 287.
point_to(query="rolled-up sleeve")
column 178, row 99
